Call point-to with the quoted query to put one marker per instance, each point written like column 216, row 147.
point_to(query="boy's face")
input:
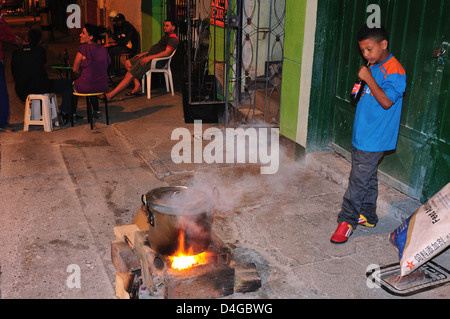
column 373, row 51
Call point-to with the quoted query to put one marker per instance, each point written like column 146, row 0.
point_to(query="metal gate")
column 235, row 54
column 255, row 49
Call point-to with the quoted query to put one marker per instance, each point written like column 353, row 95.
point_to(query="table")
column 61, row 68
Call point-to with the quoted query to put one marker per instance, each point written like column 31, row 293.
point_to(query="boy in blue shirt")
column 375, row 130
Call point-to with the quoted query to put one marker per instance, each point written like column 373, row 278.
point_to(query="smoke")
column 227, row 188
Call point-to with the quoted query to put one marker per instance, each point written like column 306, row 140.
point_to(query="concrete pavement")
column 63, row 192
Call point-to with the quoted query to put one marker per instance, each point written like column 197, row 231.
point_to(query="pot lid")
column 179, row 200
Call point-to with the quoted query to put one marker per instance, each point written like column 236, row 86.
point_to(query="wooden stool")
column 41, row 109
column 88, row 97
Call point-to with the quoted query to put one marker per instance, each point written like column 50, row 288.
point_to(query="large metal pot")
column 171, row 212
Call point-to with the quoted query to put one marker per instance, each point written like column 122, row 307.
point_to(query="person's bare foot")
column 137, row 90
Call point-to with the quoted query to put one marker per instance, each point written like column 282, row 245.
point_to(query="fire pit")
column 185, row 258
column 175, row 254
column 208, row 275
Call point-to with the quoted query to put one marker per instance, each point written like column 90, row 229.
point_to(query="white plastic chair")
column 167, row 74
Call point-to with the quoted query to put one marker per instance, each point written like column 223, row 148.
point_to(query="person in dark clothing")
column 125, row 36
column 7, row 36
column 30, row 75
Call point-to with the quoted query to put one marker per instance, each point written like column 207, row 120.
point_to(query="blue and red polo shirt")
column 375, row 129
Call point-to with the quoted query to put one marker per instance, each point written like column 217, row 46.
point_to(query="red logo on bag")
column 410, row 264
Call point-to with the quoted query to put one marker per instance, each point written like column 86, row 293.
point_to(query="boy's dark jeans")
column 362, row 192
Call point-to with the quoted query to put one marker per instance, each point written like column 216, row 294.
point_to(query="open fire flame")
column 185, row 259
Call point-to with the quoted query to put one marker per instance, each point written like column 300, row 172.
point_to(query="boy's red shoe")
column 342, row 233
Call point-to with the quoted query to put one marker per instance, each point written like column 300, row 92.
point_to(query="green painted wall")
column 292, row 66
column 151, row 23
column 217, row 44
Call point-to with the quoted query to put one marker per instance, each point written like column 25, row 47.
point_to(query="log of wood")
column 152, row 264
column 140, row 241
column 128, row 230
column 156, row 262
column 220, row 253
column 124, row 283
column 141, row 219
column 200, row 282
column 123, row 257
column 246, row 278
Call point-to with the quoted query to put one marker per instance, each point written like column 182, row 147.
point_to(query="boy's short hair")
column 377, row 34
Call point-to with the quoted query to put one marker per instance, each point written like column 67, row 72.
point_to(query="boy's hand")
column 365, row 74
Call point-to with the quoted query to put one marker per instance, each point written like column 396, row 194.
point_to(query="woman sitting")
column 91, row 62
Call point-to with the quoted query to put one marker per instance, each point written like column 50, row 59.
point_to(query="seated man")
column 126, row 38
column 28, row 70
column 141, row 63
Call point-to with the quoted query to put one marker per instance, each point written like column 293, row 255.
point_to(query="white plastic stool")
column 41, row 109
